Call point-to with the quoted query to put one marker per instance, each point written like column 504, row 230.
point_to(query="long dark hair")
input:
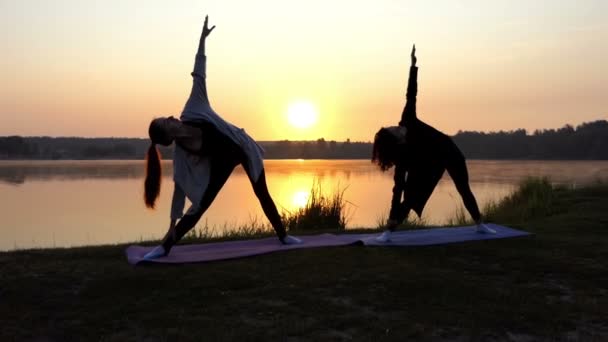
column 153, row 176
column 153, row 168
column 385, row 150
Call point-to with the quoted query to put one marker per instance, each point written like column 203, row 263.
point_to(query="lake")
column 76, row 203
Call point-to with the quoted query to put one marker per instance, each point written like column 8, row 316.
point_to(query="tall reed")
column 322, row 211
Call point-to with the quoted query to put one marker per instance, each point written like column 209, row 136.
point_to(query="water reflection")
column 300, row 198
column 67, row 203
column 18, row 172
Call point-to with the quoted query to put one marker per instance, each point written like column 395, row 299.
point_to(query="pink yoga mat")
column 244, row 248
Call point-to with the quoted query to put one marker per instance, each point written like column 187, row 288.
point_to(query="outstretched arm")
column 398, row 189
column 409, row 111
column 201, row 59
column 198, row 95
column 204, row 35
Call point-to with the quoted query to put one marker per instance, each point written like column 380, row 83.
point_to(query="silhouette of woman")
column 420, row 154
column 207, row 149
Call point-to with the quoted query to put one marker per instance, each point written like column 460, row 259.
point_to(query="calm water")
column 72, row 203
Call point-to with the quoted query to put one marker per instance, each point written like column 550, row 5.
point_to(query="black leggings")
column 220, row 171
column 459, row 174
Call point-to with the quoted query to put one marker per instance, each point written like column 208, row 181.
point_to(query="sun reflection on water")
column 300, row 198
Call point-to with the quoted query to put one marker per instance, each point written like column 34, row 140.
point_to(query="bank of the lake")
column 82, row 203
column 549, row 286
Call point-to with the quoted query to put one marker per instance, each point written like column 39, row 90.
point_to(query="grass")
column 322, row 211
column 255, row 228
column 411, row 222
column 535, row 197
column 551, row 286
column 460, row 218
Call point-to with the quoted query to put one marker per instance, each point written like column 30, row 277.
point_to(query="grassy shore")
column 549, row 286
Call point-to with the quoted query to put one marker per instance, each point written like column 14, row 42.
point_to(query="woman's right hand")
column 413, row 55
column 206, row 29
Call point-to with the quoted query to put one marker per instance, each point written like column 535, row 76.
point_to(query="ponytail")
column 153, row 176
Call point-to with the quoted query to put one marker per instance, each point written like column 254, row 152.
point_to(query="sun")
column 302, row 114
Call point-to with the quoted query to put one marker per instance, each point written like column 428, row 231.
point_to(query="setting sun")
column 302, row 114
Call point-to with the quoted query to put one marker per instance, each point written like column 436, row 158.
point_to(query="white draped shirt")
column 191, row 172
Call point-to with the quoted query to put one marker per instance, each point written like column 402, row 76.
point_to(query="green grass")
column 551, row 286
column 535, row 197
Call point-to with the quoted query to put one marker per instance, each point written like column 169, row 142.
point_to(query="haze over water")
column 75, row 203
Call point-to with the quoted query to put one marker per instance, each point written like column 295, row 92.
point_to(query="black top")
column 214, row 143
column 425, row 155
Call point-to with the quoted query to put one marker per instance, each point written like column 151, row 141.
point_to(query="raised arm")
column 198, row 95
column 409, row 111
column 200, row 64
column 204, row 35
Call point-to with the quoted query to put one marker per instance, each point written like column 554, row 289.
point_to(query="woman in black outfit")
column 207, row 149
column 420, row 154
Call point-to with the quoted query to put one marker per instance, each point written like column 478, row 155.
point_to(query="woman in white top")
column 207, row 149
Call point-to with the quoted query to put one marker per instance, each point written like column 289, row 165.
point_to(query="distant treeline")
column 586, row 141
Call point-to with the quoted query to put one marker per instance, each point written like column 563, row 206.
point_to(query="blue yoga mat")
column 238, row 249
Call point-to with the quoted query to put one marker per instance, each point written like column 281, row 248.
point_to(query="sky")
column 106, row 68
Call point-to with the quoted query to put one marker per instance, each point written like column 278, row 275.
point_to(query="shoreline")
column 549, row 286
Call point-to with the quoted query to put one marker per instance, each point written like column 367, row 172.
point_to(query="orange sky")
column 105, row 68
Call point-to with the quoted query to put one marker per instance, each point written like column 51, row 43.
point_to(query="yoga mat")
column 238, row 249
